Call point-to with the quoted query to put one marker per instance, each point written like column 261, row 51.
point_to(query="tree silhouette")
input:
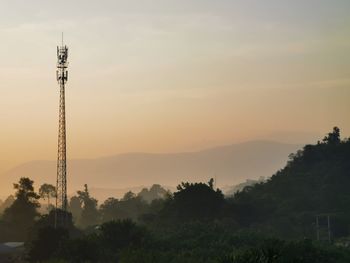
column 128, row 195
column 22, row 213
column 155, row 192
column 130, row 206
column 333, row 137
column 89, row 214
column 75, row 208
column 195, row 201
column 46, row 191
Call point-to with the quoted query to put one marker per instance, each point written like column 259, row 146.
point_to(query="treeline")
column 86, row 211
column 197, row 223
column 19, row 213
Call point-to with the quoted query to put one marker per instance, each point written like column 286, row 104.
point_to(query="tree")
column 46, row 191
column 7, row 203
column 75, row 208
column 110, row 209
column 333, row 137
column 128, row 195
column 20, row 216
column 155, row 192
column 130, row 206
column 194, row 201
column 89, row 214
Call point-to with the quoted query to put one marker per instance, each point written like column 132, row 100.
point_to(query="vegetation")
column 21, row 215
column 5, row 204
column 193, row 201
column 47, row 191
column 130, row 206
column 154, row 193
column 270, row 221
column 89, row 214
column 314, row 182
column 277, row 251
column 239, row 187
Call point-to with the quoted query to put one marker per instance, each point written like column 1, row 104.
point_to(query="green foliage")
column 277, row 251
column 195, row 242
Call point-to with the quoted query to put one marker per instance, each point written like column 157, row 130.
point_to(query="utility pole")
column 323, row 228
column 317, row 229
column 329, row 229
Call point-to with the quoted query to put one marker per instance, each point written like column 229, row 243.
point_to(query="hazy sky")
column 165, row 76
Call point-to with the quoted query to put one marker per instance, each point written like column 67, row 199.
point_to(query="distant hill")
column 230, row 164
column 231, row 190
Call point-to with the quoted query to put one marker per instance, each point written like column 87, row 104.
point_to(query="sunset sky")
column 167, row 76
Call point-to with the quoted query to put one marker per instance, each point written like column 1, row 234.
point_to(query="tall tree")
column 89, row 215
column 75, row 208
column 22, row 213
column 46, row 191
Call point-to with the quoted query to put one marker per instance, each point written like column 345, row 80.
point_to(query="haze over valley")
column 229, row 164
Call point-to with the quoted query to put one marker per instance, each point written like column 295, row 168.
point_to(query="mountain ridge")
column 230, row 163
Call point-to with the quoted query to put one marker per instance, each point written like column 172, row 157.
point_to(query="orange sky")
column 172, row 75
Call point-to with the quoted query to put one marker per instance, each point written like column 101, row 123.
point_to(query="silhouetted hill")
column 230, row 164
column 315, row 181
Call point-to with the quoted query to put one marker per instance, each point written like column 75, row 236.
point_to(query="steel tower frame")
column 61, row 183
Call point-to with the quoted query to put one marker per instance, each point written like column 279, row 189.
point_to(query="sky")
column 168, row 76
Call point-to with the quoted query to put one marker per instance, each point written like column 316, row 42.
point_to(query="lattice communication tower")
column 61, row 215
